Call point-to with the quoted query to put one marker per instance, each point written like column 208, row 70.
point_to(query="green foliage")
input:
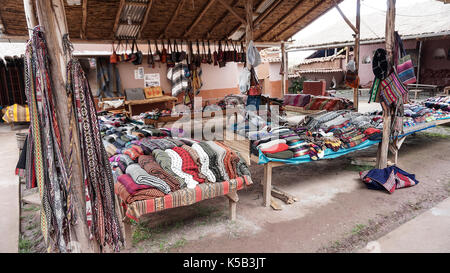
column 297, row 86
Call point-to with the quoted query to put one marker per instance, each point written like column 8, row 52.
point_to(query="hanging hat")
column 380, row 64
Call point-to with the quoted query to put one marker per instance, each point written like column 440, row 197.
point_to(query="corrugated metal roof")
column 430, row 18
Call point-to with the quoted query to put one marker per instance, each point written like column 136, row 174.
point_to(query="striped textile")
column 185, row 197
column 178, row 78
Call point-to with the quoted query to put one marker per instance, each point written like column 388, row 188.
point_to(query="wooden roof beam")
column 119, row 11
column 144, row 20
column 199, row 17
column 261, row 17
column 232, row 11
column 175, row 14
column 299, row 19
column 83, row 20
column 345, row 18
column 266, row 12
column 281, row 20
column 220, row 19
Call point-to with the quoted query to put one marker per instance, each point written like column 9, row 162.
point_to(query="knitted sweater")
column 204, row 162
column 177, row 164
column 165, row 162
column 221, row 152
column 140, row 176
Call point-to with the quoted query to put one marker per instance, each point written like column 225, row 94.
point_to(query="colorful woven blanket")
column 185, row 197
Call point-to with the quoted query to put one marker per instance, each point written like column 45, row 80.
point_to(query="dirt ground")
column 335, row 211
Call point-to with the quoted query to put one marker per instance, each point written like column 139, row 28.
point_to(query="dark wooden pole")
column 249, row 25
column 356, row 52
column 52, row 19
column 383, row 147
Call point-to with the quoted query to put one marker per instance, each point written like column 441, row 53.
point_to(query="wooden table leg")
column 267, row 184
column 233, row 199
column 125, row 223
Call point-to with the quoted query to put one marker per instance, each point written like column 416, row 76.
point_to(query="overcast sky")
column 348, row 7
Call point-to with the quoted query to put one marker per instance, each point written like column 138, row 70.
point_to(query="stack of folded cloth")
column 153, row 167
column 276, row 149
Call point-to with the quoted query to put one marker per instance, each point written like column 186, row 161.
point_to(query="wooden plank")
column 117, row 20
column 175, row 14
column 220, row 20
column 267, row 184
column 281, row 20
column 274, row 204
column 280, row 34
column 150, row 101
column 232, row 11
column 248, row 26
column 144, row 20
column 29, row 15
column 355, row 29
column 83, row 20
column 283, row 196
column 199, row 17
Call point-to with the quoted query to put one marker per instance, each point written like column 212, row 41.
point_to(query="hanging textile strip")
column 50, row 167
column 96, row 167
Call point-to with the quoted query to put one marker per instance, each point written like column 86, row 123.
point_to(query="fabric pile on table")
column 148, row 163
column 310, row 102
column 441, row 102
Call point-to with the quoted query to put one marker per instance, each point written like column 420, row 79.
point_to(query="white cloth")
column 244, row 80
column 253, row 56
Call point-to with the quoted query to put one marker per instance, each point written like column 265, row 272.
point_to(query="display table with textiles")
column 154, row 171
column 135, row 107
column 324, row 136
column 306, row 102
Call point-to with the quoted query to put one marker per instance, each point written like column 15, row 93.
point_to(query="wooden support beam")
column 30, row 15
column 280, row 34
column 175, row 14
column 52, row 19
column 249, row 25
column 259, row 19
column 383, row 147
column 84, row 20
column 117, row 21
column 356, row 52
column 199, row 17
column 267, row 184
column 281, row 20
column 232, row 11
column 220, row 20
column 144, row 20
column 266, row 13
column 355, row 29
column 285, row 68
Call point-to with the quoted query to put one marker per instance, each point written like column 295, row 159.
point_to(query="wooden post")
column 29, row 15
column 383, row 149
column 233, row 199
column 52, row 19
column 267, row 184
column 356, row 52
column 418, row 62
column 285, row 67
column 249, row 25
